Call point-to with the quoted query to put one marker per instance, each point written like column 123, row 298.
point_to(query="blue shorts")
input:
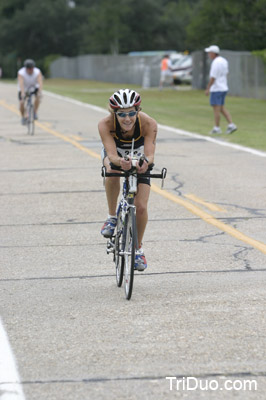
column 217, row 98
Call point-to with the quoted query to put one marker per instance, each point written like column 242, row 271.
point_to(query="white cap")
column 213, row 49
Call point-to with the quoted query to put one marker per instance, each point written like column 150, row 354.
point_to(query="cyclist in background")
column 125, row 122
column 29, row 77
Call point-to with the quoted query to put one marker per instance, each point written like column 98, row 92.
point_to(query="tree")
column 30, row 29
column 137, row 25
column 36, row 29
column 232, row 24
column 106, row 27
column 33, row 29
column 40, row 28
column 175, row 17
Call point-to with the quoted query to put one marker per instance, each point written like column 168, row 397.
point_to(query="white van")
column 182, row 70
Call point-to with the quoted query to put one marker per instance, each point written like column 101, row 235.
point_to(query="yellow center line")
column 44, row 126
column 176, row 199
column 210, row 206
column 211, row 220
column 10, row 107
column 68, row 139
column 77, row 138
column 48, row 124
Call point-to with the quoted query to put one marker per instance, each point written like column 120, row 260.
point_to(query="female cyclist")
column 126, row 122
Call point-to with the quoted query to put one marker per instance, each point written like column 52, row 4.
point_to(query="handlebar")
column 31, row 90
column 125, row 174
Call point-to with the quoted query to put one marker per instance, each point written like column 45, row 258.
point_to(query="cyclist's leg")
column 37, row 100
column 21, row 104
column 112, row 188
column 141, row 203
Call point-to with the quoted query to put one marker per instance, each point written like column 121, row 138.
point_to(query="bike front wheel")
column 130, row 241
column 30, row 121
column 119, row 258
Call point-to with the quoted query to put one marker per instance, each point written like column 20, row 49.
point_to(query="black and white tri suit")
column 123, row 145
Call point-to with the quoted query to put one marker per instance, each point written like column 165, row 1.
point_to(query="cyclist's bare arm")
column 149, row 131
column 40, row 81
column 21, row 85
column 105, row 126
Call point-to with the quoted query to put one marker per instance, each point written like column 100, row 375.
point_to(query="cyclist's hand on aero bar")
column 142, row 165
column 125, row 163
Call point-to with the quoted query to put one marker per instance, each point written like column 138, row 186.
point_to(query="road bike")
column 30, row 110
column 124, row 242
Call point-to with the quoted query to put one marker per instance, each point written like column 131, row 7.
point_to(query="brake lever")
column 164, row 172
column 103, row 174
column 141, row 160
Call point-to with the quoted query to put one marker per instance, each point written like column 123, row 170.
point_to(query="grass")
column 183, row 109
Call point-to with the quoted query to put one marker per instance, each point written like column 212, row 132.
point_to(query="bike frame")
column 124, row 247
column 30, row 110
column 126, row 202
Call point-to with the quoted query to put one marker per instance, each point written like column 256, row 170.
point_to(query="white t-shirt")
column 29, row 80
column 219, row 71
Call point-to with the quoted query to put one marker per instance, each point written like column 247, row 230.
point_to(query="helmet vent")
column 125, row 97
column 117, row 99
column 132, row 97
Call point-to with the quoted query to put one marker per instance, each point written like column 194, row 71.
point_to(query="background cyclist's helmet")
column 124, row 98
column 29, row 63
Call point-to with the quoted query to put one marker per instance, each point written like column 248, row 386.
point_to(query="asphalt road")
column 197, row 314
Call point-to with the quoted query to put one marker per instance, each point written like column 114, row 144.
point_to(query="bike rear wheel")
column 119, row 258
column 30, row 121
column 129, row 251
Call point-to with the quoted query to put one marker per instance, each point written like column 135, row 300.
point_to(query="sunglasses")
column 124, row 114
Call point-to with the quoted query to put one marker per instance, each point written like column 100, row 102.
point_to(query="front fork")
column 110, row 248
column 130, row 206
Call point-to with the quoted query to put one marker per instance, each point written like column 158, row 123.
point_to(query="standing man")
column 29, row 78
column 218, row 88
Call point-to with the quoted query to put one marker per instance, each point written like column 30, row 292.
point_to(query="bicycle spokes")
column 129, row 253
column 118, row 251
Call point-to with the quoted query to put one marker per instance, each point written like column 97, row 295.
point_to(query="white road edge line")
column 77, row 102
column 166, row 127
column 10, row 386
column 219, row 142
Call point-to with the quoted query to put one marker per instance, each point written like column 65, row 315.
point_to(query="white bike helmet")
column 124, row 98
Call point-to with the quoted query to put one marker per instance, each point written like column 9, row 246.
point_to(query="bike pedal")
column 110, row 246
